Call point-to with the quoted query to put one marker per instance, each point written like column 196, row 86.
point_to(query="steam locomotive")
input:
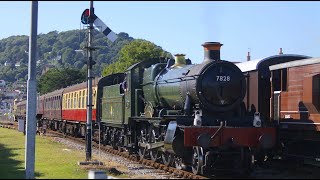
column 190, row 116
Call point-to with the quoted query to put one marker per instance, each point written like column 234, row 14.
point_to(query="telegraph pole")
column 89, row 90
column 31, row 96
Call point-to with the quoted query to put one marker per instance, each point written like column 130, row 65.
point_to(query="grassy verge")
column 52, row 160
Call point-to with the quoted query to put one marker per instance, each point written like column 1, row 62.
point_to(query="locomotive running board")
column 243, row 136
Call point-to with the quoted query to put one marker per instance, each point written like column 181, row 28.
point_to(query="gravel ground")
column 118, row 166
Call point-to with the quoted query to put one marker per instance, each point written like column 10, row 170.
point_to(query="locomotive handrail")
column 215, row 134
column 192, row 76
column 168, row 80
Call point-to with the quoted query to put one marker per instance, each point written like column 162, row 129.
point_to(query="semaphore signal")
column 86, row 19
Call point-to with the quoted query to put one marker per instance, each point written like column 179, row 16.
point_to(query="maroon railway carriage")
column 40, row 106
column 295, row 105
column 51, row 105
column 258, row 81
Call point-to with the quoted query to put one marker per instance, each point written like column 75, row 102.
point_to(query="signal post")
column 88, row 17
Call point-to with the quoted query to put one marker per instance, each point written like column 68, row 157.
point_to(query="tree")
column 59, row 78
column 136, row 51
column 68, row 56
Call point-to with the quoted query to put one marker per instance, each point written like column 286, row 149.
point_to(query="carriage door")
column 275, row 95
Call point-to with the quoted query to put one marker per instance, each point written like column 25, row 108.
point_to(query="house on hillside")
column 2, row 84
column 17, row 64
column 7, row 63
column 46, row 68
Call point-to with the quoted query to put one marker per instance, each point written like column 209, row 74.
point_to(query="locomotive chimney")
column 280, row 51
column 212, row 51
column 179, row 60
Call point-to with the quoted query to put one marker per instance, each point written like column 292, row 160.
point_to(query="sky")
column 261, row 27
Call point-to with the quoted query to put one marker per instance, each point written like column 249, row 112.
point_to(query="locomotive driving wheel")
column 141, row 152
column 197, row 160
column 167, row 158
column 142, row 139
column 154, row 153
column 179, row 163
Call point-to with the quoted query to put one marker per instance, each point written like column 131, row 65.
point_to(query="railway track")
column 272, row 170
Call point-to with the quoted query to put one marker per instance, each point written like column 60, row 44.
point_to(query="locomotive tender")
column 182, row 114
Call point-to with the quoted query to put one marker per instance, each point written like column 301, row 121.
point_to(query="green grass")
column 52, row 160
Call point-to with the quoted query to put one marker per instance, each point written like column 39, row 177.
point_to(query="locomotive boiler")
column 209, row 89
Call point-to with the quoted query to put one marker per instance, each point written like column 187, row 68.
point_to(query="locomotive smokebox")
column 212, row 51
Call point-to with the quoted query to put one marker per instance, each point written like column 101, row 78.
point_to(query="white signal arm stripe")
column 105, row 29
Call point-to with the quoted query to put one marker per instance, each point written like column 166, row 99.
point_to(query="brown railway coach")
column 295, row 105
column 258, row 82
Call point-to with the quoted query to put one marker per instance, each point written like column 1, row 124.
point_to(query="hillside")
column 56, row 49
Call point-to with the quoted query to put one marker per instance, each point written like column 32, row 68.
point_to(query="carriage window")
column 276, row 80
column 86, row 98
column 83, row 95
column 79, row 100
column 57, row 98
column 93, row 98
column 72, row 100
column 75, row 100
column 65, row 101
column 54, row 102
column 77, row 105
column 69, row 101
column 284, row 75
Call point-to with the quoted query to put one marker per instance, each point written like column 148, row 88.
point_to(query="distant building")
column 11, row 94
column 20, row 86
column 17, row 64
column 7, row 63
column 57, row 58
column 46, row 68
column 2, row 83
